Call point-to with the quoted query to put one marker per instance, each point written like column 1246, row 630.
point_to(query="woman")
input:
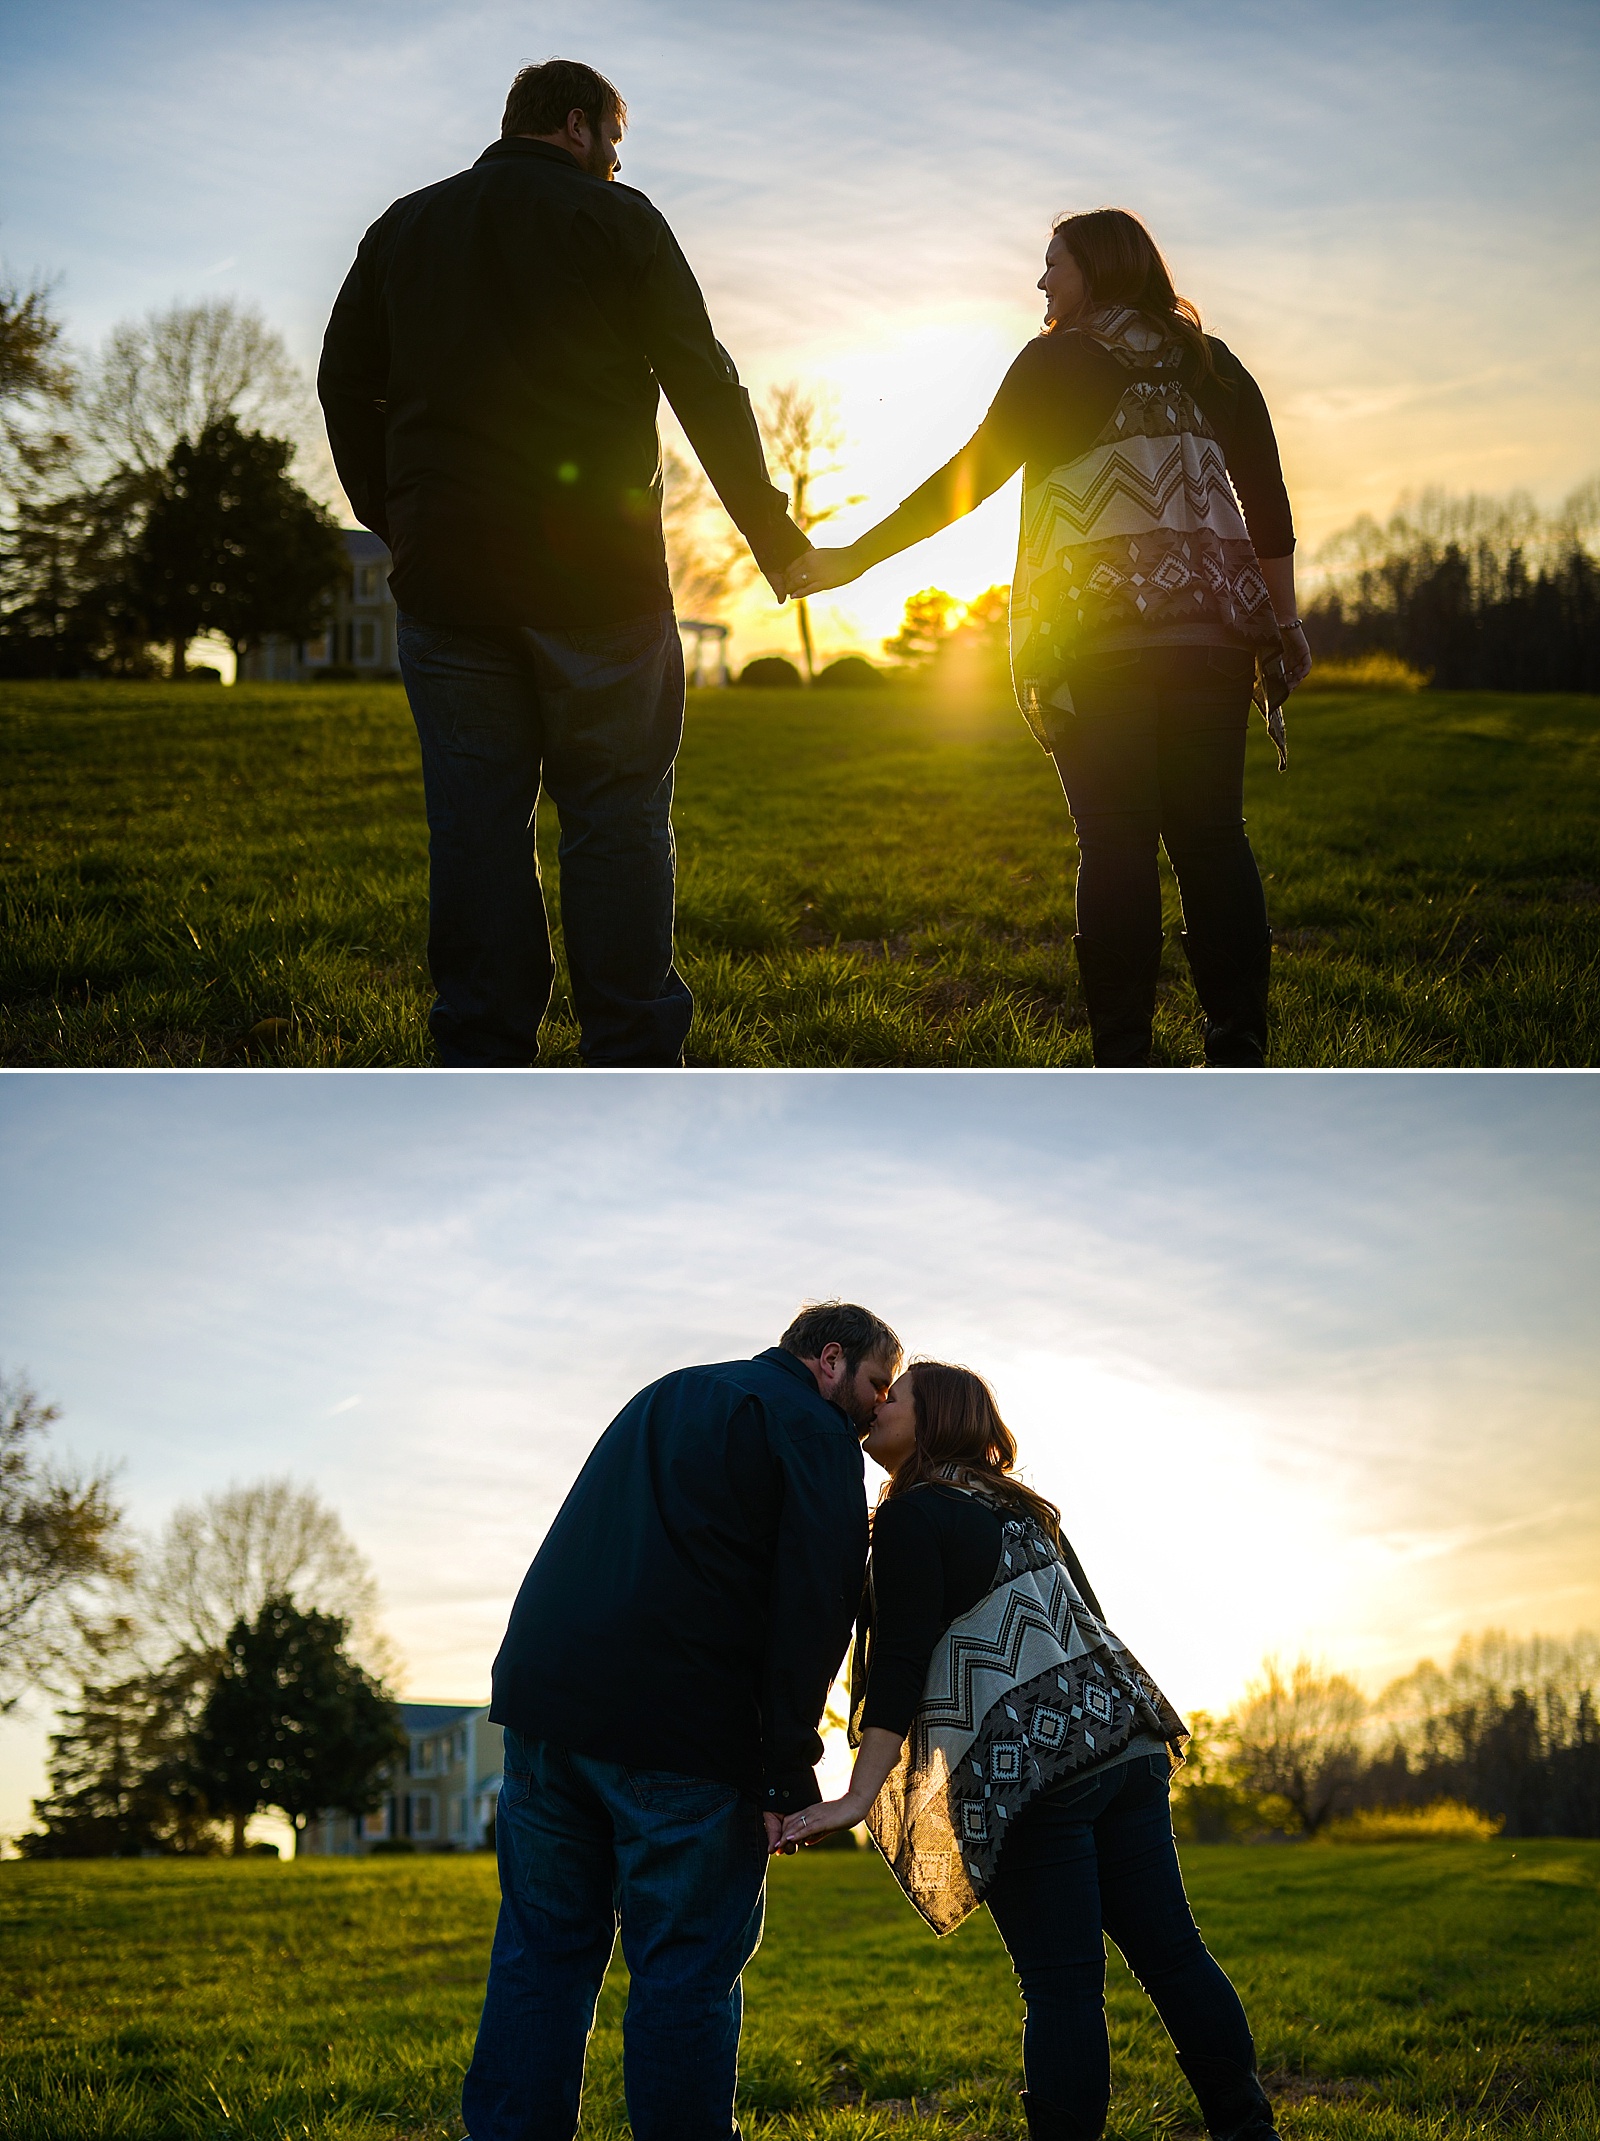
column 1145, row 614
column 1012, row 1752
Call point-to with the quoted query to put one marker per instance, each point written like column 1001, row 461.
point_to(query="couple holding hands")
column 491, row 378
column 660, row 1685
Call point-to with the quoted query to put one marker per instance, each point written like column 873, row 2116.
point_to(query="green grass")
column 1409, row 1992
column 873, row 879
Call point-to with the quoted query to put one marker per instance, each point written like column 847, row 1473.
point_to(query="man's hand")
column 1296, row 653
column 774, row 1826
column 815, row 571
column 779, row 583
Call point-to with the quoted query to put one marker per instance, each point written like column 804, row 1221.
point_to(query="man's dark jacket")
column 693, row 1599
column 490, row 378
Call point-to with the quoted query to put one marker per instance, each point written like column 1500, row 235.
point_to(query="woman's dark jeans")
column 1154, row 753
column 1099, row 1858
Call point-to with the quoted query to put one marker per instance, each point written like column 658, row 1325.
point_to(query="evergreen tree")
column 121, row 1773
column 233, row 545
column 292, row 1722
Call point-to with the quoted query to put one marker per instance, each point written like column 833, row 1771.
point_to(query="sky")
column 1386, row 209
column 1309, row 1362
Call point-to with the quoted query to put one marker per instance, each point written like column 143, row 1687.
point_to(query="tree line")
column 229, row 1667
column 1509, row 1729
column 147, row 494
column 1477, row 593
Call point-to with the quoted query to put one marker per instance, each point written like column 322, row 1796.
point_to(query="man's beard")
column 597, row 163
column 857, row 1409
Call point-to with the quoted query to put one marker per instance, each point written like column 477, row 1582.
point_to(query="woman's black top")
column 1051, row 407
column 934, row 1555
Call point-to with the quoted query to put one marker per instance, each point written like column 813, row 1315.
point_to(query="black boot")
column 1119, row 993
column 1231, row 982
column 1232, row 2101
column 1049, row 2122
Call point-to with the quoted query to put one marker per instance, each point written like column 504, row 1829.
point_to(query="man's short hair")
column 542, row 96
column 857, row 1332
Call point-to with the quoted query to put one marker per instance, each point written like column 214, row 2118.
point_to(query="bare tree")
column 1299, row 1739
column 169, row 375
column 706, row 556
column 219, row 1560
column 36, row 388
column 62, row 1563
column 803, row 435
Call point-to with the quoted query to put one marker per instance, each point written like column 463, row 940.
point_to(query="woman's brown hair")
column 962, row 1439
column 1122, row 265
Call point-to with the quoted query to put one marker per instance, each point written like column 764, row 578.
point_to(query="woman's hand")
column 1296, row 653
column 815, row 571
column 826, row 1818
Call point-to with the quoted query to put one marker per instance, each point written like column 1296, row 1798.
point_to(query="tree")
column 62, row 1563
column 707, row 559
column 1298, row 1739
column 121, row 1771
column 218, row 1561
column 174, row 374
column 803, row 432
column 36, row 386
column 66, row 583
column 924, row 627
column 292, row 1722
column 232, row 544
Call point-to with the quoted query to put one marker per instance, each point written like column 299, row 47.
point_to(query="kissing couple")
column 491, row 377
column 660, row 1686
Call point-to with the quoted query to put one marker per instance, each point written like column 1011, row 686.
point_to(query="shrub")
column 1445, row 1821
column 1368, row 672
column 772, row 672
column 849, row 673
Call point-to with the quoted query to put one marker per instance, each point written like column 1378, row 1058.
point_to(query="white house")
column 444, row 1801
column 360, row 635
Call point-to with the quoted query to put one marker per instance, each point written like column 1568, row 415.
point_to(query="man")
column 660, row 1684
column 491, row 376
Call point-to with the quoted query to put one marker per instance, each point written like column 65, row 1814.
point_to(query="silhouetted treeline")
column 1533, row 1765
column 1510, row 1728
column 1486, row 594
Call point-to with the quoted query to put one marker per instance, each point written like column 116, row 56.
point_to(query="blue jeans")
column 596, row 716
column 681, row 1863
column 1098, row 1858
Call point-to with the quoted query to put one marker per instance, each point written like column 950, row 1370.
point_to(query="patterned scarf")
column 1143, row 531
column 1026, row 1690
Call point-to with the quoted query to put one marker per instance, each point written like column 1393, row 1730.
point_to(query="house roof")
column 362, row 547
column 420, row 1717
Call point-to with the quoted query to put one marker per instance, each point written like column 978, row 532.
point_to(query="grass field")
column 1409, row 1992
column 196, row 875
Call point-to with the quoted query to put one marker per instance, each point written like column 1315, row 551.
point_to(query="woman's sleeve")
column 1252, row 455
column 908, row 1603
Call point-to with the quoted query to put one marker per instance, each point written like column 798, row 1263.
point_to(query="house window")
column 367, row 583
column 422, row 1814
column 423, row 1763
column 376, row 1826
column 458, row 1817
column 461, row 1744
column 366, row 640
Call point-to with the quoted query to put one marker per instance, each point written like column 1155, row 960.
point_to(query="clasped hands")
column 813, row 572
column 826, row 1818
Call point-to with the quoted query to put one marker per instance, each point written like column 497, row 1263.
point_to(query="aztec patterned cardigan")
column 1140, row 534
column 1027, row 1690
